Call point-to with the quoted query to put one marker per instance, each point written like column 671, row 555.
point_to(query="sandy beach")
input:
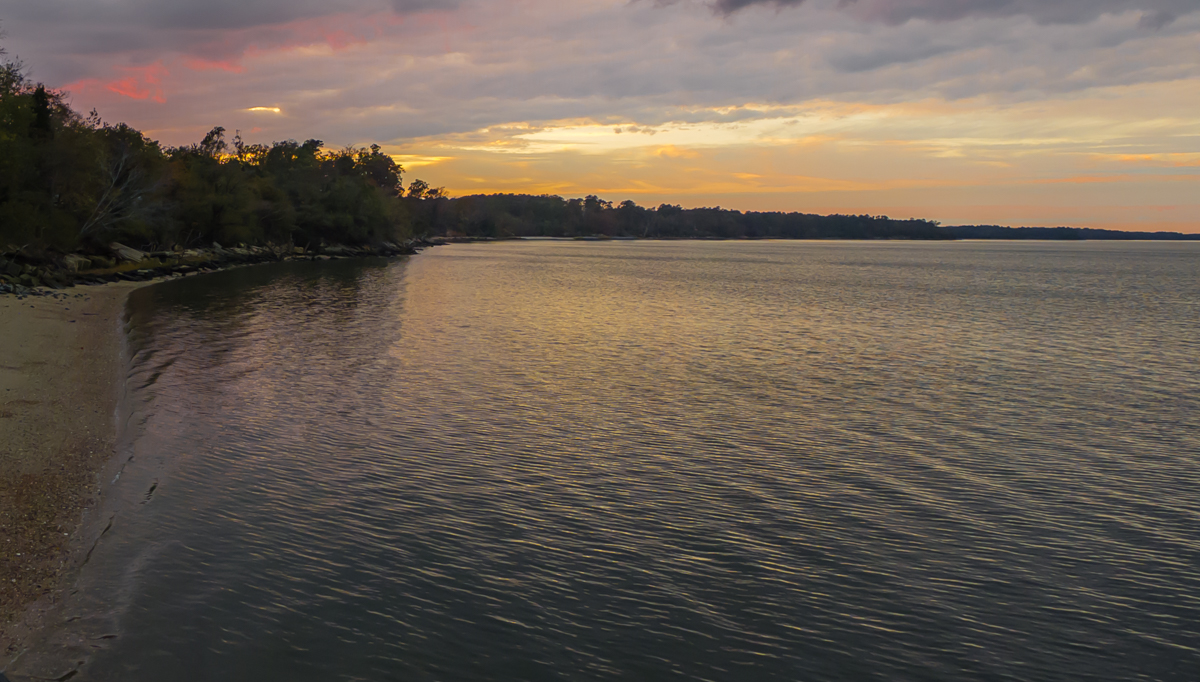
column 59, row 371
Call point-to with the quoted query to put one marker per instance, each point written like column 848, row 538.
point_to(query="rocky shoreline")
column 24, row 273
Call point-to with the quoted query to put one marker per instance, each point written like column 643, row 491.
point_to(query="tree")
column 130, row 174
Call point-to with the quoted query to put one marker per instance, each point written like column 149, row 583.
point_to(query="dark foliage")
column 520, row 215
column 1059, row 233
column 69, row 182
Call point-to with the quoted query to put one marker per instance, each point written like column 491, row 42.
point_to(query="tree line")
column 522, row 215
column 1060, row 233
column 70, row 182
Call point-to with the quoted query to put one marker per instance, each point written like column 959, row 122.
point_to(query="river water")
column 662, row 460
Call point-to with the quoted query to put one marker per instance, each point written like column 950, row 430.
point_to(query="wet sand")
column 59, row 371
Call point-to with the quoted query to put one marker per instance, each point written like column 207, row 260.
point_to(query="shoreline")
column 60, row 390
column 59, row 387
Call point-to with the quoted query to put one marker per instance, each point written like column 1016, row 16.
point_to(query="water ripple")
column 717, row 461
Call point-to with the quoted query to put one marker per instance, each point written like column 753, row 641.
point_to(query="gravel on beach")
column 59, row 373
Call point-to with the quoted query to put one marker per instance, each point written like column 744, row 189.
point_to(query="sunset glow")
column 1085, row 114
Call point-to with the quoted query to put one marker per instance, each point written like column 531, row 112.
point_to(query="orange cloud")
column 1170, row 159
column 1105, row 179
column 670, row 151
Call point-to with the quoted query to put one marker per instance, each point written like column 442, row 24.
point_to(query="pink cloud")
column 81, row 86
column 129, row 88
column 198, row 64
column 141, row 83
column 340, row 32
column 342, row 39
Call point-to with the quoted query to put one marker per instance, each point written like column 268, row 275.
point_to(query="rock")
column 298, row 250
column 126, row 253
column 76, row 262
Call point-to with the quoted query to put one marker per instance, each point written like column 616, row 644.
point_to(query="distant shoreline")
column 997, row 232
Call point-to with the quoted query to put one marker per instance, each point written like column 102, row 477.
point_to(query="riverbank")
column 33, row 272
column 58, row 390
column 60, row 376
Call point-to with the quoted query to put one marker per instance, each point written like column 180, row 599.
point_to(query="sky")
column 1010, row 112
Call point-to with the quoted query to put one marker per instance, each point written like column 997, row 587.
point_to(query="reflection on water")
column 726, row 461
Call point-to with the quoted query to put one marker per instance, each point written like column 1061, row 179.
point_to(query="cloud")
column 354, row 78
column 200, row 16
column 1156, row 19
column 138, row 83
column 1155, row 13
column 216, row 31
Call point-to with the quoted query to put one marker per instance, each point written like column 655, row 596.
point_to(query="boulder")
column 126, row 253
column 75, row 262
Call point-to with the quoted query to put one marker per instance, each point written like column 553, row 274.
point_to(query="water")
column 721, row 461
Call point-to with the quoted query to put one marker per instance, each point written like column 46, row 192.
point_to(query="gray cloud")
column 1156, row 13
column 1156, row 19
column 191, row 15
column 853, row 61
column 71, row 38
column 492, row 63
